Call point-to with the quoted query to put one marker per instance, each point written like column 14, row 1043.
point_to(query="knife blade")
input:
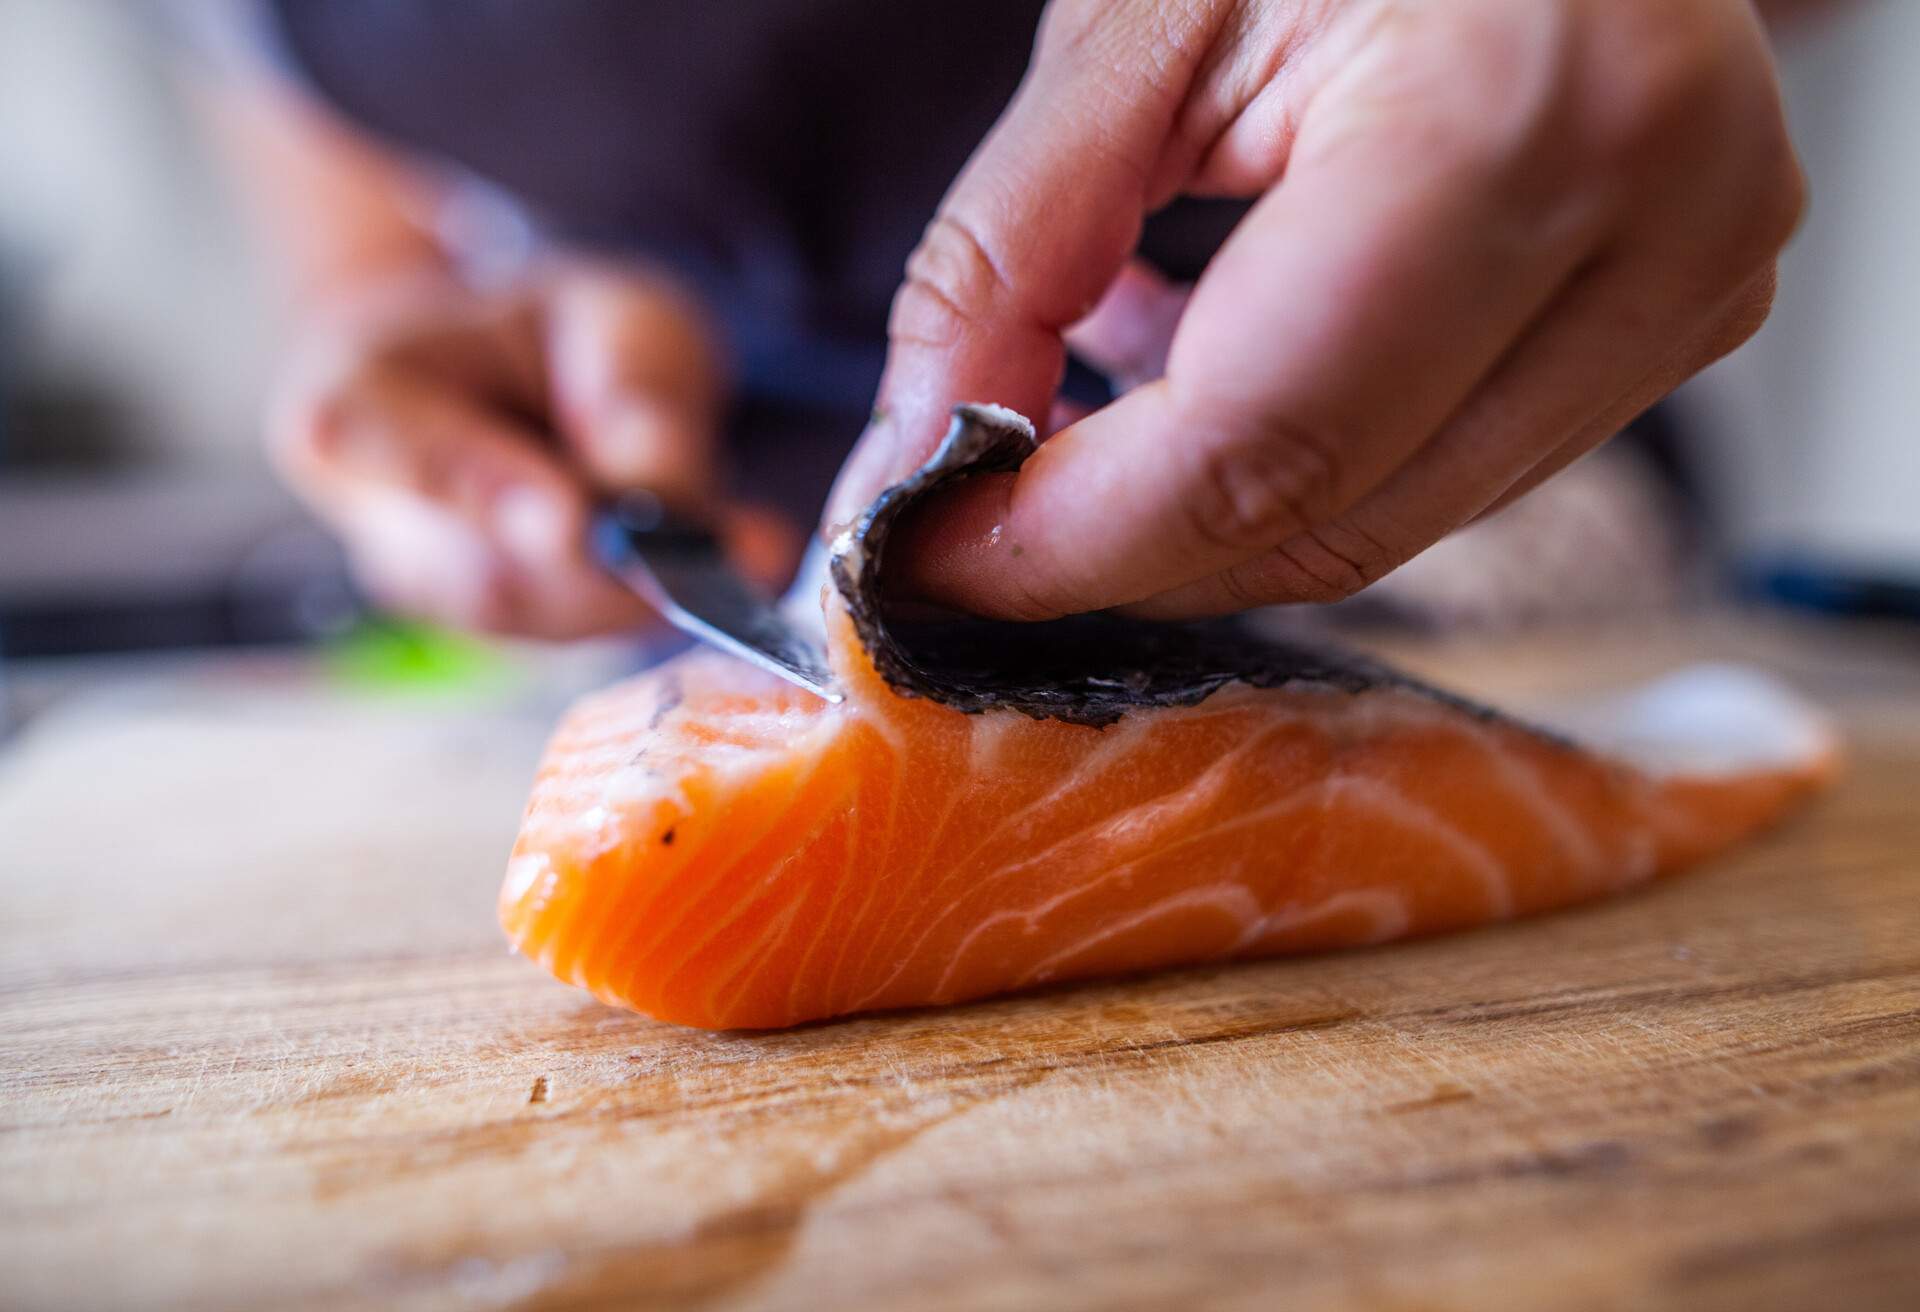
column 679, row 567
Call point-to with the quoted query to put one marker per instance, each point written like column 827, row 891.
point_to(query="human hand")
column 455, row 440
column 1489, row 233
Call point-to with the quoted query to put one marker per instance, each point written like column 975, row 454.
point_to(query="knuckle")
column 1442, row 135
column 1251, row 495
column 1662, row 88
column 1243, row 589
column 1437, row 94
column 321, row 400
column 1364, row 559
column 1658, row 108
column 1332, row 564
column 1685, row 98
column 952, row 281
column 1670, row 79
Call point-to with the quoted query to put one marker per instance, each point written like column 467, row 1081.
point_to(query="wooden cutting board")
column 261, row 1046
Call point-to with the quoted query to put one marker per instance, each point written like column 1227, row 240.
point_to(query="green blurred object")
column 398, row 656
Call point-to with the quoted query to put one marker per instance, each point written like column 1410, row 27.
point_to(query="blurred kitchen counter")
column 260, row 1045
column 145, row 558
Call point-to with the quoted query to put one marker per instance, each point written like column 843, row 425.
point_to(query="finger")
column 1703, row 215
column 1356, row 307
column 422, row 561
column 1031, row 234
column 1607, row 339
column 419, row 559
column 451, row 508
column 485, row 347
column 1744, row 317
column 1129, row 333
column 636, row 384
column 399, row 430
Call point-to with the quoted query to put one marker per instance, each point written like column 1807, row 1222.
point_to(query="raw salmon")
column 712, row 846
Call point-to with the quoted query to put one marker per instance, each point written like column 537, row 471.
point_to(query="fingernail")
column 530, row 522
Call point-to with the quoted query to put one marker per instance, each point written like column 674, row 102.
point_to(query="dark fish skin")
column 1085, row 669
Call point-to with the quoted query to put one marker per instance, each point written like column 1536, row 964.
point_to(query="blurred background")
column 140, row 526
column 136, row 511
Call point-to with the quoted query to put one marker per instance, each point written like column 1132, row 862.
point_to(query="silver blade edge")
column 697, row 591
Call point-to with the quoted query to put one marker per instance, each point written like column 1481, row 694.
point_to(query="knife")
column 677, row 565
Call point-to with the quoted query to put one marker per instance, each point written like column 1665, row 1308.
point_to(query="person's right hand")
column 455, row 439
column 1485, row 235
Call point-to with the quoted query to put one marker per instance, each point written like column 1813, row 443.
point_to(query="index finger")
column 1034, row 229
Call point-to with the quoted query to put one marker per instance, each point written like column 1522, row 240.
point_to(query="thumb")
column 636, row 384
column 1030, row 235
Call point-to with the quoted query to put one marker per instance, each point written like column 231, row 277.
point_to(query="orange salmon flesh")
column 711, row 846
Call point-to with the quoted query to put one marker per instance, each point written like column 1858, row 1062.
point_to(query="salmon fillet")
column 712, row 846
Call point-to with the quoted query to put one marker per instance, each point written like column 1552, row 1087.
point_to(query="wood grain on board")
column 260, row 1045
